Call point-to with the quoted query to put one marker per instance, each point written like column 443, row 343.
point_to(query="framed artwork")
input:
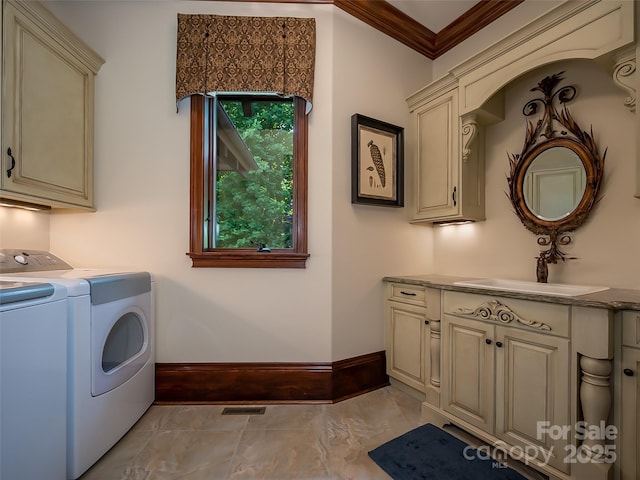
column 377, row 162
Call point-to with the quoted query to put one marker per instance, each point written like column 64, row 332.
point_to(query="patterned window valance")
column 245, row 54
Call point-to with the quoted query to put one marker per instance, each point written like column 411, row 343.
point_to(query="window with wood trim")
column 248, row 199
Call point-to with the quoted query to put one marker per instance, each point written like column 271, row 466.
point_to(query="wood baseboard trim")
column 208, row 383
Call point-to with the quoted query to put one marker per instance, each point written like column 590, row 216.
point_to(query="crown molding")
column 391, row 21
column 472, row 21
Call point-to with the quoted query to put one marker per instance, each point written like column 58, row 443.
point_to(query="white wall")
column 24, row 229
column 372, row 76
column 142, row 198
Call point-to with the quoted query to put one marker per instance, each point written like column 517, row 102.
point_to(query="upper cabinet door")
column 449, row 156
column 47, row 110
column 437, row 152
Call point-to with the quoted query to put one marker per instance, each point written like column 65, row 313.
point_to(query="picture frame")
column 377, row 162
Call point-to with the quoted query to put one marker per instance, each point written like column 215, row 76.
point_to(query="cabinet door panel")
column 437, row 129
column 50, row 144
column 47, row 114
column 631, row 329
column 405, row 339
column 630, row 424
column 467, row 361
column 532, row 385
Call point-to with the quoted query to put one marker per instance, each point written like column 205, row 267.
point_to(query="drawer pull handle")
column 628, row 372
column 426, row 322
column 408, row 293
column 487, row 341
column 498, row 344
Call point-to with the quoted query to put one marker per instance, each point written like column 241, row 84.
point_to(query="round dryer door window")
column 122, row 346
column 124, row 341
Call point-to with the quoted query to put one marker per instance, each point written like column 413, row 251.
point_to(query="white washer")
column 111, row 369
column 33, row 381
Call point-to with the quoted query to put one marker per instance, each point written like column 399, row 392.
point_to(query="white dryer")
column 111, row 362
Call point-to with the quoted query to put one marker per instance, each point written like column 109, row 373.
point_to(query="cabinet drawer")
column 541, row 317
column 631, row 329
column 416, row 295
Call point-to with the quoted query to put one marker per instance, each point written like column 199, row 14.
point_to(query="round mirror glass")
column 554, row 183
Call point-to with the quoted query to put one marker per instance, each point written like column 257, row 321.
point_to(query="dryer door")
column 121, row 348
column 121, row 328
column 121, row 343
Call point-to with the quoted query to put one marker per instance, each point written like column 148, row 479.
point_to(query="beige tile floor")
column 328, row 441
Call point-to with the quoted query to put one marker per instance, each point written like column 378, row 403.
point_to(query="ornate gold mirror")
column 554, row 181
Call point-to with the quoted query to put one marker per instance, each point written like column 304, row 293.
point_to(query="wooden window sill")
column 248, row 259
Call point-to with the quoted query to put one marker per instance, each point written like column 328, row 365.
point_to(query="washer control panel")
column 17, row 261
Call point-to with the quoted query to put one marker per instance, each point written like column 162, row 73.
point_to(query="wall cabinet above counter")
column 449, row 115
column 47, row 109
column 449, row 161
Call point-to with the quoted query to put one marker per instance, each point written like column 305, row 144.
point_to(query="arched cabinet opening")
column 449, row 116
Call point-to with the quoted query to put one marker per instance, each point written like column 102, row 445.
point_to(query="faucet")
column 550, row 256
column 542, row 268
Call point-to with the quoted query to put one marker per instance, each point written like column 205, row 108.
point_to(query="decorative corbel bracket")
column 624, row 76
column 469, row 134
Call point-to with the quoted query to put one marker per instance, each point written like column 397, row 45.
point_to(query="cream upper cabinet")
column 449, row 155
column 47, row 109
column 436, row 168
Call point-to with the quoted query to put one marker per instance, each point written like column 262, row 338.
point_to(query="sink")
column 560, row 289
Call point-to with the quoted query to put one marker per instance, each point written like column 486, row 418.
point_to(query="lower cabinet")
column 412, row 325
column 541, row 380
column 630, row 397
column 506, row 382
column 407, row 344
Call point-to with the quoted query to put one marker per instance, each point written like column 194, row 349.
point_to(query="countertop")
column 612, row 299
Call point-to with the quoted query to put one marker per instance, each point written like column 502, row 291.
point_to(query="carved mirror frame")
column 555, row 128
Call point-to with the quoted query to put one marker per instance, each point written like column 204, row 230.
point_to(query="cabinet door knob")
column 426, row 322
column 498, row 344
column 628, row 372
column 487, row 341
column 453, row 196
column 13, row 163
column 408, row 293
